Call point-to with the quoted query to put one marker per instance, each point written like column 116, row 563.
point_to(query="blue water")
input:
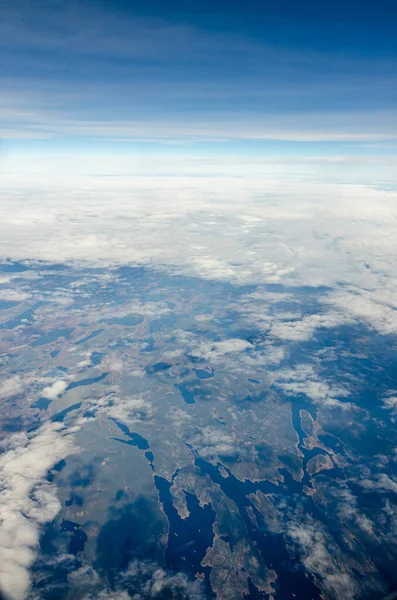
column 272, row 547
column 41, row 403
column 6, row 304
column 27, row 315
column 202, row 374
column 88, row 381
column 135, row 439
column 186, row 394
column 52, row 336
column 188, row 538
column 158, row 367
column 78, row 537
column 59, row 417
column 89, row 336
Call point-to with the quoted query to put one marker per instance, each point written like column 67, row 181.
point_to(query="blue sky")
column 205, row 78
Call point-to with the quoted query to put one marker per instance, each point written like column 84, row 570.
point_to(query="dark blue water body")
column 96, row 358
column 41, row 403
column 158, row 367
column 50, row 577
column 383, row 556
column 78, row 537
column 189, row 538
column 369, row 371
column 88, row 381
column 254, row 593
column 27, row 315
column 293, row 582
column 203, row 374
column 150, row 458
column 120, row 495
column 335, row 473
column 127, row 321
column 6, row 304
column 59, row 417
column 90, row 336
column 54, row 353
column 132, row 532
column 60, row 465
column 75, row 499
column 299, row 403
column 52, row 336
column 13, row 424
column 186, row 394
column 135, row 439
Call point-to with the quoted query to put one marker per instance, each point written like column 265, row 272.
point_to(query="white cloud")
column 148, row 580
column 299, row 330
column 318, row 557
column 12, row 295
column 304, row 380
column 381, row 483
column 54, row 390
column 211, row 441
column 11, row 387
column 377, row 308
column 211, row 350
column 390, row 403
column 113, row 363
column 27, row 501
column 247, row 229
column 127, row 410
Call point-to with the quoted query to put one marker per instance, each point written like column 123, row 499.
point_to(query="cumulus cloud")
column 299, row 330
column 318, row 555
column 390, row 403
column 5, row 279
column 210, row 350
column 179, row 417
column 128, row 410
column 11, row 387
column 348, row 509
column 12, row 295
column 377, row 307
column 143, row 309
column 113, row 363
column 211, row 441
column 380, row 483
column 27, row 501
column 147, row 579
column 54, row 390
column 304, row 380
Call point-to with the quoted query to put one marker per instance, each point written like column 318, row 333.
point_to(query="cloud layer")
column 27, row 501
